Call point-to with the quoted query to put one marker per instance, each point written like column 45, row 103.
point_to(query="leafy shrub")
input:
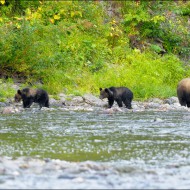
column 74, row 47
column 148, row 75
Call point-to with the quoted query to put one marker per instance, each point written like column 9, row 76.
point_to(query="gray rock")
column 16, row 86
column 54, row 102
column 93, row 100
column 152, row 105
column 74, row 100
column 62, row 95
column 157, row 119
column 155, row 100
column 3, row 104
column 10, row 110
column 171, row 100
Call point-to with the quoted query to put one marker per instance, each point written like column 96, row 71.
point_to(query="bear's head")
column 105, row 93
column 18, row 96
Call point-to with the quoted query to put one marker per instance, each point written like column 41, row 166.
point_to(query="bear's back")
column 120, row 90
column 184, row 84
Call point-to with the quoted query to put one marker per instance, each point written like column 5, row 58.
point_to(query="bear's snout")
column 17, row 98
column 101, row 97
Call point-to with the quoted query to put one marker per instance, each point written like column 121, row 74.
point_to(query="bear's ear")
column 108, row 91
column 19, row 92
column 100, row 89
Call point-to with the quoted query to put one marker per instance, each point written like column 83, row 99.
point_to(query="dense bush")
column 75, row 47
column 163, row 20
column 148, row 75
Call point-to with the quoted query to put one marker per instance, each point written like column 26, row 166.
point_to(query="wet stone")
column 92, row 100
column 2, row 104
column 171, row 100
column 65, row 177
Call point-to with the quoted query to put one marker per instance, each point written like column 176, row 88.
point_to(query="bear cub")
column 118, row 94
column 183, row 92
column 28, row 96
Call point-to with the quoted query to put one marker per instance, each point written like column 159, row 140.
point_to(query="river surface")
column 95, row 150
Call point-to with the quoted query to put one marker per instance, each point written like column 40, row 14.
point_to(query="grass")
column 6, row 90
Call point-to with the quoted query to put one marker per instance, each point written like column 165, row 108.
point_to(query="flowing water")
column 148, row 149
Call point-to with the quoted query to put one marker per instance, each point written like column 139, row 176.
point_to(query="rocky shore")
column 89, row 102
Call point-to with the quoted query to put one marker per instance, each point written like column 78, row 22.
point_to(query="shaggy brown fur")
column 183, row 92
column 28, row 96
column 119, row 94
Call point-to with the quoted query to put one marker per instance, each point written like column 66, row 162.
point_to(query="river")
column 95, row 150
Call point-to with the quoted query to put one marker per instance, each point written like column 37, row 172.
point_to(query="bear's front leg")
column 119, row 102
column 110, row 102
column 27, row 103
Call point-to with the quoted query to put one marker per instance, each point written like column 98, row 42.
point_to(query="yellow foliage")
column 28, row 12
column 158, row 18
column 79, row 13
column 72, row 13
column 18, row 18
column 18, row 25
column 62, row 11
column 2, row 2
column 37, row 15
column 52, row 20
column 28, row 18
column 112, row 28
column 76, row 13
column 56, row 17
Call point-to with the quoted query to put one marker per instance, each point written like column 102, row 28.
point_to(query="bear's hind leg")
column 42, row 104
column 182, row 102
column 46, row 104
column 127, row 104
column 188, row 104
column 188, row 100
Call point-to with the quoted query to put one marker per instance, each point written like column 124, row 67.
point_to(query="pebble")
column 158, row 119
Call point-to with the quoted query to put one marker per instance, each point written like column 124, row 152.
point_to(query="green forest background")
column 76, row 47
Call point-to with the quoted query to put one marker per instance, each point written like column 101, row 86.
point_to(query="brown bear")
column 183, row 92
column 28, row 96
column 118, row 94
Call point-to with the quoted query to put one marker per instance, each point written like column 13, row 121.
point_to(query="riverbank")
column 89, row 102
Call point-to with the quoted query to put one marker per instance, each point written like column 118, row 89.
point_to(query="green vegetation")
column 76, row 46
column 6, row 90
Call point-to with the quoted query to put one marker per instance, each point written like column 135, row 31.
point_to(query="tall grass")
column 147, row 75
